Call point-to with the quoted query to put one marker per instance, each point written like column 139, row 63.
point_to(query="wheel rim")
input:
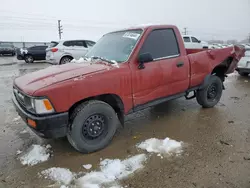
column 94, row 127
column 65, row 60
column 212, row 92
column 29, row 59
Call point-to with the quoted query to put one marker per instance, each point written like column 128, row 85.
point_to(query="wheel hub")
column 93, row 126
column 212, row 92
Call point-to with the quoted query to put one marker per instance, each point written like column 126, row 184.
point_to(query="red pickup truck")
column 124, row 72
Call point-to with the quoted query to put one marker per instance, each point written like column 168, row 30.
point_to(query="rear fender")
column 206, row 82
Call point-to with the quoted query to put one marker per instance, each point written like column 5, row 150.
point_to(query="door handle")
column 180, row 64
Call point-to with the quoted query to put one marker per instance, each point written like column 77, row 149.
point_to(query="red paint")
column 68, row 84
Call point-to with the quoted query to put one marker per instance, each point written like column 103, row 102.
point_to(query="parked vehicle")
column 192, row 42
column 64, row 51
column 34, row 53
column 243, row 67
column 7, row 49
column 125, row 71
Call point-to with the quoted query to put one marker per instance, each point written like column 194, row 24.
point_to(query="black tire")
column 28, row 59
column 82, row 133
column 243, row 73
column 65, row 60
column 209, row 96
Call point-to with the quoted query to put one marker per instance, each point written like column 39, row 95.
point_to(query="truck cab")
column 125, row 71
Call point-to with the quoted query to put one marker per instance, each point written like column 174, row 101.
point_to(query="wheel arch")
column 66, row 55
column 112, row 99
column 219, row 70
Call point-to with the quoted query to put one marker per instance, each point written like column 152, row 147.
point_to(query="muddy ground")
column 218, row 140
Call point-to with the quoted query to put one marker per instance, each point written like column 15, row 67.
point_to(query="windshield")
column 116, row 46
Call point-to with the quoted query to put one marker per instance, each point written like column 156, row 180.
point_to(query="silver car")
column 64, row 51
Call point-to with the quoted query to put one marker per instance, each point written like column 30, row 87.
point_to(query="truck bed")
column 200, row 58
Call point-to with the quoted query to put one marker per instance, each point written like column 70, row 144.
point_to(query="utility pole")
column 60, row 29
column 249, row 38
column 185, row 31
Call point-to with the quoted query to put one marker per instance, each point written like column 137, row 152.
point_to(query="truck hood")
column 34, row 81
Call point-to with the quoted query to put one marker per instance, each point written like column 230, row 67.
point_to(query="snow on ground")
column 23, row 131
column 60, row 175
column 166, row 146
column 111, row 171
column 16, row 119
column 18, row 152
column 87, row 166
column 35, row 154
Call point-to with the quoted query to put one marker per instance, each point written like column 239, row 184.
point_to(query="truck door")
column 174, row 65
column 166, row 75
column 146, row 82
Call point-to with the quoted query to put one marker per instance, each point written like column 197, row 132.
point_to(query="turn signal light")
column 31, row 122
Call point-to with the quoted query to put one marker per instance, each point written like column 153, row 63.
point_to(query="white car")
column 243, row 67
column 64, row 51
column 192, row 42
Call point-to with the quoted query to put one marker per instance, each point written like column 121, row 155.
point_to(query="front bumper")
column 49, row 126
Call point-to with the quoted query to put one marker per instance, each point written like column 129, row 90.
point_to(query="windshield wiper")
column 103, row 59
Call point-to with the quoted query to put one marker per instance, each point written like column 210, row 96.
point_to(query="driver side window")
column 161, row 43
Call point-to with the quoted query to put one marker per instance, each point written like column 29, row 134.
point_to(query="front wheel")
column 93, row 126
column 210, row 95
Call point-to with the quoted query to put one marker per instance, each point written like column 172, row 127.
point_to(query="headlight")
column 42, row 106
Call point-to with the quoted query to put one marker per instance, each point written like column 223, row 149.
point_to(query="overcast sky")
column 36, row 20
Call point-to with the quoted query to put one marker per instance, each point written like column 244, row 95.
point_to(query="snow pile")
column 81, row 60
column 87, row 166
column 24, row 131
column 60, row 175
column 18, row 152
column 17, row 118
column 111, row 171
column 35, row 154
column 115, row 64
column 23, row 51
column 166, row 146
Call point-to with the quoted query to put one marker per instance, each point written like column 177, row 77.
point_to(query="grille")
column 19, row 97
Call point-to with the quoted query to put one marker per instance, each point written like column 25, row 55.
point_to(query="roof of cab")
column 144, row 27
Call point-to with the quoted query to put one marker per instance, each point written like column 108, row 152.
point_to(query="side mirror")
column 144, row 58
column 199, row 41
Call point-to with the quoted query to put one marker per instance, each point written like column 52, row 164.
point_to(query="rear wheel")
column 243, row 73
column 94, row 124
column 210, row 95
column 29, row 59
column 65, row 60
